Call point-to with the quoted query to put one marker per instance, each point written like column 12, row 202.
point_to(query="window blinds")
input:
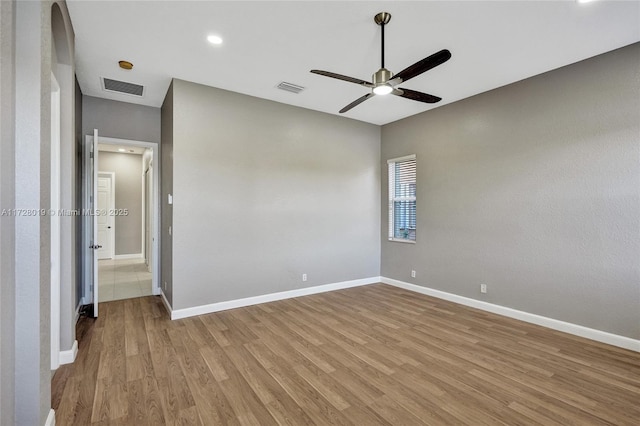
column 402, row 198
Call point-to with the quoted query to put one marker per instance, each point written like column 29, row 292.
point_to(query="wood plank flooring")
column 372, row 355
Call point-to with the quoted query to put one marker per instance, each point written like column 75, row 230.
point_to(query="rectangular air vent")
column 289, row 87
column 122, row 87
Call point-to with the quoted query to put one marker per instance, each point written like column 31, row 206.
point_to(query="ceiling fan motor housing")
column 382, row 76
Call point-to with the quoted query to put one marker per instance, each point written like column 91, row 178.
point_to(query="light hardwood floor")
column 363, row 356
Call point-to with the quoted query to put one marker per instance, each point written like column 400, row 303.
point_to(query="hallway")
column 123, row 279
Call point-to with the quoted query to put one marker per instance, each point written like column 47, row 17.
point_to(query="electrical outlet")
column 413, row 274
column 483, row 288
column 304, row 277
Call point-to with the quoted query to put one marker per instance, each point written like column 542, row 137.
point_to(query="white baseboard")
column 577, row 330
column 239, row 303
column 128, row 256
column 51, row 418
column 67, row 357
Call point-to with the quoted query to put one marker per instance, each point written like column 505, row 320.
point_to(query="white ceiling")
column 493, row 43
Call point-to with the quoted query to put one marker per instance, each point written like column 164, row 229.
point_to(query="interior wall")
column 533, row 190
column 120, row 120
column 166, row 188
column 29, row 32
column 7, row 223
column 32, row 243
column 78, row 198
column 128, row 189
column 265, row 192
column 64, row 70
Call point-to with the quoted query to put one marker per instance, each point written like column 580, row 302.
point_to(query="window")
column 402, row 199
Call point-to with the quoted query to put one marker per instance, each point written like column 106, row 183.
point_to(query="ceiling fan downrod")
column 383, row 75
column 382, row 19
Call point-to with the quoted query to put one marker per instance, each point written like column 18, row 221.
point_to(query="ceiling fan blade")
column 424, row 65
column 356, row 102
column 416, row 96
column 342, row 77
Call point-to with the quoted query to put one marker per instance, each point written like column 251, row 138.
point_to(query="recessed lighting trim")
column 122, row 150
column 214, row 39
column 125, row 65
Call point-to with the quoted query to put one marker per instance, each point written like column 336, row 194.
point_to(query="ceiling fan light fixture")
column 383, row 89
column 214, row 39
column 384, row 82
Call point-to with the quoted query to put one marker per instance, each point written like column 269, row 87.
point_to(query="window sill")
column 400, row 240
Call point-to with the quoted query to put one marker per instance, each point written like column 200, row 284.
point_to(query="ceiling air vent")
column 122, row 87
column 289, row 87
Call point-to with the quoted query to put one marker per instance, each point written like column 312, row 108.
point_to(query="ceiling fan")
column 384, row 82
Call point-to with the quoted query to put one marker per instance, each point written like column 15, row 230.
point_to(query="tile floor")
column 123, row 279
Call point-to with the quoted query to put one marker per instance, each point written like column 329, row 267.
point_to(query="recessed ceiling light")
column 214, row 39
column 585, row 1
column 122, row 150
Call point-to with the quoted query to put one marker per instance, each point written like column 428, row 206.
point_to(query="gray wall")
column 32, row 190
column 64, row 71
column 264, row 192
column 26, row 63
column 128, row 188
column 79, row 147
column 120, row 120
column 166, row 188
column 532, row 189
column 7, row 223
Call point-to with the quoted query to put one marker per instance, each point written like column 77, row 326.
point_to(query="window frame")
column 392, row 198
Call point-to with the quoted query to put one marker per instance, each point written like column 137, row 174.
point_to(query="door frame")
column 112, row 201
column 146, row 218
column 155, row 232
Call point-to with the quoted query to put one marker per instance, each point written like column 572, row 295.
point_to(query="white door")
column 90, row 228
column 96, row 246
column 106, row 230
column 148, row 224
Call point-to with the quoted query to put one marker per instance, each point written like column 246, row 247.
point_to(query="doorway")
column 126, row 242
